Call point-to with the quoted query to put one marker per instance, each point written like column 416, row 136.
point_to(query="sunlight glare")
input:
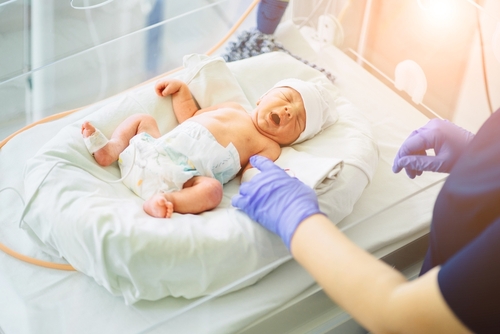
column 442, row 11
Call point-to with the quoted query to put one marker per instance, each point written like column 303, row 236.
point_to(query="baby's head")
column 318, row 104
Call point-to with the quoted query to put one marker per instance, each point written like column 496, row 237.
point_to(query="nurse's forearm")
column 376, row 295
column 353, row 278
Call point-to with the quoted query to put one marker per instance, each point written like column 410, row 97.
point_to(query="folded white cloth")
column 319, row 173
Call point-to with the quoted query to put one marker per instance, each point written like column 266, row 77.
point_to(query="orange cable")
column 37, row 262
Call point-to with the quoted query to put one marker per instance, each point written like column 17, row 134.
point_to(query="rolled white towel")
column 319, row 173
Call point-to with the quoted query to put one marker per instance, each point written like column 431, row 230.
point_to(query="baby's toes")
column 87, row 129
column 169, row 209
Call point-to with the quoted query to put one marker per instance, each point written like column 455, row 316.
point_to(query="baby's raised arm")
column 182, row 100
column 272, row 152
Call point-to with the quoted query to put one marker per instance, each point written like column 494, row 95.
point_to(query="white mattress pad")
column 101, row 230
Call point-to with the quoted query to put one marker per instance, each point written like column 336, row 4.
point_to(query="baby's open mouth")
column 275, row 118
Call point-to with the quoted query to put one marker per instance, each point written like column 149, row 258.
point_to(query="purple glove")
column 448, row 141
column 275, row 200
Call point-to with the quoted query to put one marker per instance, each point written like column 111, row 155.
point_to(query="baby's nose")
column 285, row 114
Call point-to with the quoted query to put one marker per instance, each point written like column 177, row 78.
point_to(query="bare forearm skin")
column 376, row 295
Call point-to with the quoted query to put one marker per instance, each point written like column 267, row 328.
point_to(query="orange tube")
column 34, row 261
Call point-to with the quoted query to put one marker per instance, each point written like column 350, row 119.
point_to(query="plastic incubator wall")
column 447, row 49
column 60, row 55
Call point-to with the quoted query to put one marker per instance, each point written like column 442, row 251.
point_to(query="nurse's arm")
column 376, row 295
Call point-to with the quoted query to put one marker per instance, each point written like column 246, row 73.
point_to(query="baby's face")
column 280, row 115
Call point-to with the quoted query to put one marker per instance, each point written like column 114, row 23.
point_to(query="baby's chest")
column 238, row 130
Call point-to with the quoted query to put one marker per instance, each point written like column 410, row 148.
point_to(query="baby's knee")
column 145, row 118
column 146, row 123
column 215, row 191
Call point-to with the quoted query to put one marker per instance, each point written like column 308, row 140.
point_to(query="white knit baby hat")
column 319, row 103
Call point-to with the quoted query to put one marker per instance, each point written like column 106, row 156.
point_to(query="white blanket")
column 101, row 229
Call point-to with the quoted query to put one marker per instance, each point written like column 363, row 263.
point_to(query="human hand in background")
column 275, row 200
column 168, row 86
column 448, row 141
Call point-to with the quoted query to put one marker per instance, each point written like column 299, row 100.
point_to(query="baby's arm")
column 182, row 100
column 271, row 152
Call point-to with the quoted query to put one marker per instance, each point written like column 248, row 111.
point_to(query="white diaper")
column 165, row 164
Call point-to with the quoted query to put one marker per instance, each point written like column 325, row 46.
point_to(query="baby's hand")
column 166, row 87
column 158, row 206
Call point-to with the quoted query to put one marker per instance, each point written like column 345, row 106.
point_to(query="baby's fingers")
column 159, row 88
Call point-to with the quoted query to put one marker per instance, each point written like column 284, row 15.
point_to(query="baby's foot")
column 87, row 129
column 158, row 206
column 104, row 155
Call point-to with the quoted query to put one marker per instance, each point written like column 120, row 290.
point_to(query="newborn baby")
column 183, row 171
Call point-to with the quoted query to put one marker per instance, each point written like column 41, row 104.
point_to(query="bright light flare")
column 441, row 11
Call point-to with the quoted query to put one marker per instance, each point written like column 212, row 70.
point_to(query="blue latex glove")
column 275, row 200
column 448, row 141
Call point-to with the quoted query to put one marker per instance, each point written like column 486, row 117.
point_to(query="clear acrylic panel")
column 445, row 39
column 440, row 55
column 59, row 58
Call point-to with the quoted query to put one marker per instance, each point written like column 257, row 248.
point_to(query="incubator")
column 394, row 63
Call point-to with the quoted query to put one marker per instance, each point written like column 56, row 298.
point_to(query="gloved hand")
column 448, row 141
column 275, row 200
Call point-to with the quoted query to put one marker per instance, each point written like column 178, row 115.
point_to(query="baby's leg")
column 120, row 139
column 199, row 194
